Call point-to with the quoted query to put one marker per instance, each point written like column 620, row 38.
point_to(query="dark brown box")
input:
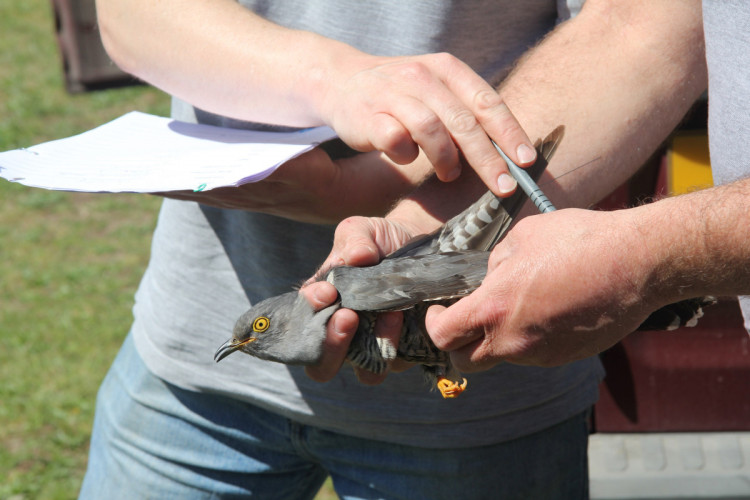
column 86, row 65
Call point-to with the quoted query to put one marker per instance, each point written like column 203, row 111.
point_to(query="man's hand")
column 359, row 241
column 431, row 102
column 560, row 287
column 314, row 188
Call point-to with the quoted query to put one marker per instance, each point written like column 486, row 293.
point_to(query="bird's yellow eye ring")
column 261, row 324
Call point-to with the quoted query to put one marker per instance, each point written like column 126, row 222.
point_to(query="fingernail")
column 525, row 154
column 506, row 183
column 334, row 260
column 318, row 295
column 337, row 329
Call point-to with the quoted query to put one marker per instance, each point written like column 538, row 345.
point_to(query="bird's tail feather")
column 484, row 222
column 673, row 316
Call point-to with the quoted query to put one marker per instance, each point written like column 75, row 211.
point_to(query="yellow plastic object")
column 688, row 167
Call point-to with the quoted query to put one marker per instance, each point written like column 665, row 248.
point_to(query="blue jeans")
column 154, row 440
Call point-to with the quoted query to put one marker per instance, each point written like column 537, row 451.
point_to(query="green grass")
column 69, row 265
column 69, row 269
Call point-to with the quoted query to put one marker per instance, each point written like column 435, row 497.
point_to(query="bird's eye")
column 261, row 324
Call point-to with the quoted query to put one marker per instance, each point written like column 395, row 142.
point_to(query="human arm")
column 569, row 284
column 619, row 78
column 221, row 57
column 315, row 188
column 667, row 70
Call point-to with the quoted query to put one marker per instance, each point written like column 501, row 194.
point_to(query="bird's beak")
column 230, row 346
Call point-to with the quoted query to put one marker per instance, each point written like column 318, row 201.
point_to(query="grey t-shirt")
column 727, row 31
column 208, row 265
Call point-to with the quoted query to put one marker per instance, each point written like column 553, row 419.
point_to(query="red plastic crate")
column 688, row 380
column 692, row 379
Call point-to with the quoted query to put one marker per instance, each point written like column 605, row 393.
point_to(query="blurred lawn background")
column 69, row 265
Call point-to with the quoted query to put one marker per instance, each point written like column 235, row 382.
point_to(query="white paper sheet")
column 144, row 153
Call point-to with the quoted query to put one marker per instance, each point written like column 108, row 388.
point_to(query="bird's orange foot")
column 449, row 388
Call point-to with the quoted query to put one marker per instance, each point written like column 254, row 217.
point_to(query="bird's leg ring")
column 450, row 388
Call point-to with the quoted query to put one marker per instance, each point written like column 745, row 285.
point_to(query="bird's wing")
column 484, row 222
column 400, row 283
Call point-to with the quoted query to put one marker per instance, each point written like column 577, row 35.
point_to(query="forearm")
column 221, row 57
column 619, row 77
column 698, row 243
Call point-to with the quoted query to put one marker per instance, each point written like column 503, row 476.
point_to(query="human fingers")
column 381, row 105
column 447, row 105
column 464, row 322
column 453, row 327
column 429, row 97
column 355, row 242
column 466, row 341
column 320, row 294
column 390, row 136
column 339, row 333
column 421, row 118
column 362, row 241
column 295, row 190
column 436, row 102
column 353, row 245
column 488, row 115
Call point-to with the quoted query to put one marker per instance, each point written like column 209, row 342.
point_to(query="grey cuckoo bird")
column 434, row 269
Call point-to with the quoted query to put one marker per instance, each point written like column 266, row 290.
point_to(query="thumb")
column 319, row 294
column 453, row 327
column 353, row 245
column 354, row 242
column 339, row 333
column 466, row 330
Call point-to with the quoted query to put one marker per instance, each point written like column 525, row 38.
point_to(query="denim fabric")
column 154, row 440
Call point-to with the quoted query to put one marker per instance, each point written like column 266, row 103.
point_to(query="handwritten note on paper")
column 144, row 153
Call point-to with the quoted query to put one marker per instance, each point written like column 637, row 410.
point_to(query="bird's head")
column 284, row 328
